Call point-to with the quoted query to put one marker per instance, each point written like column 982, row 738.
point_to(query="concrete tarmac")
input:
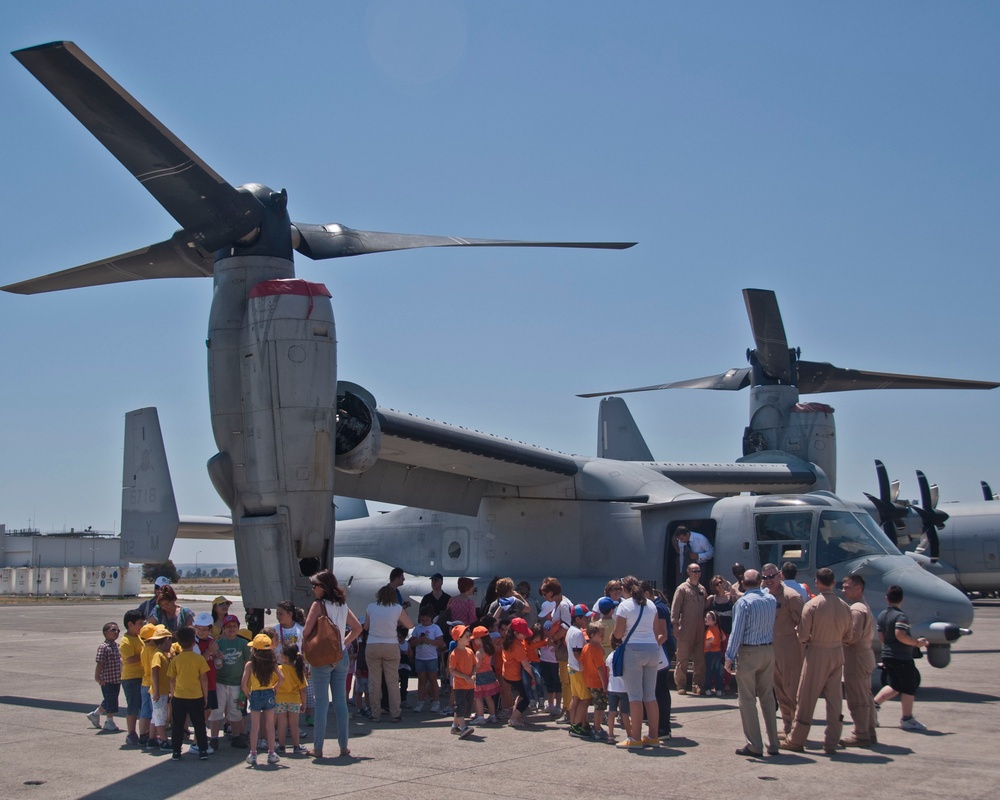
column 48, row 749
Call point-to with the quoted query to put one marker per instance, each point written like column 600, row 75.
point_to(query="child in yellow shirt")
column 188, row 673
column 290, row 699
column 159, row 686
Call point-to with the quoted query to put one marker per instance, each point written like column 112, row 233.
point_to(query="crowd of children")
column 481, row 669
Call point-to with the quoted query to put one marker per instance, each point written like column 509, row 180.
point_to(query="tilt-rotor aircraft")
column 288, row 433
column 281, row 426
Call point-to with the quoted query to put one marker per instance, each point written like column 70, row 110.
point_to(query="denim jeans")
column 326, row 680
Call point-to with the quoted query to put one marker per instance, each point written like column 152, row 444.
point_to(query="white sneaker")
column 911, row 724
column 478, row 720
column 435, row 707
column 110, row 727
column 273, row 758
column 95, row 719
column 419, row 707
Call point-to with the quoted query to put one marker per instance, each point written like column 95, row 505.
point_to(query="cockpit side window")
column 843, row 536
column 784, row 536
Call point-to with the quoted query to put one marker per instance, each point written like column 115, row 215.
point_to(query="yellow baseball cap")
column 261, row 642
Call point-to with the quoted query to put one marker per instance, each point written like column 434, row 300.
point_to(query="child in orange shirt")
column 595, row 676
column 462, row 666
column 714, row 638
column 517, row 669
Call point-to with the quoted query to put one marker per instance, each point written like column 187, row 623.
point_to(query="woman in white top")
column 382, row 651
column 637, row 615
column 331, row 600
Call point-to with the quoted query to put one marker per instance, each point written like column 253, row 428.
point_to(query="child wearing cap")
column 159, row 686
column 576, row 640
column 130, row 649
column 188, row 673
column 462, row 666
column 487, row 685
column 108, row 674
column 235, row 653
column 517, row 668
column 261, row 678
column 606, row 608
column 145, row 701
column 220, row 608
column 206, row 645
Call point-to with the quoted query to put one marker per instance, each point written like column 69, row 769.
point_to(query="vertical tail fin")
column 149, row 511
column 618, row 436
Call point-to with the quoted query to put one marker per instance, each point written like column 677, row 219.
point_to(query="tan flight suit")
column 823, row 629
column 859, row 662
column 787, row 652
column 687, row 613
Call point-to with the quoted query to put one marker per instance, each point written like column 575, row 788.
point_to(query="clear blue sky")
column 844, row 155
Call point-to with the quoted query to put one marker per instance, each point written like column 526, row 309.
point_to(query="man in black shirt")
column 897, row 659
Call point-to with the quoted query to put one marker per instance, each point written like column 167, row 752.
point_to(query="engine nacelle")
column 359, row 436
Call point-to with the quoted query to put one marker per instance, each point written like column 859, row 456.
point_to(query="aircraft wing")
column 435, row 465
column 429, row 464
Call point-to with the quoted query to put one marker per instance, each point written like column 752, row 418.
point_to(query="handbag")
column 324, row 645
column 618, row 657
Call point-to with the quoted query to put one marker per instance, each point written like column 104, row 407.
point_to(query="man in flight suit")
column 824, row 628
column 859, row 662
column 687, row 613
column 787, row 649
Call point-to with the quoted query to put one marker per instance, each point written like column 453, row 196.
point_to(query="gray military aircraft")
column 281, row 427
column 285, row 427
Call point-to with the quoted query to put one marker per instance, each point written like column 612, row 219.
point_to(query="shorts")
column 578, row 687
column 145, row 703
column 262, row 700
column 212, row 702
column 487, row 684
column 461, row 700
column 599, row 698
column 427, row 665
column 133, row 696
column 902, row 675
column 110, row 693
column 360, row 684
column 618, row 701
column 228, row 706
column 159, row 712
column 287, row 708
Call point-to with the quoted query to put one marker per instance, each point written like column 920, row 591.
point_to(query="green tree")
column 214, row 573
column 150, row 572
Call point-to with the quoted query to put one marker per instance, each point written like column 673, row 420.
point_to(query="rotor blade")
column 884, row 492
column 212, row 212
column 336, row 241
column 768, row 333
column 816, row 377
column 732, row 380
column 178, row 257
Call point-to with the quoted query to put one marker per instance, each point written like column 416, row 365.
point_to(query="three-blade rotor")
column 213, row 215
column 774, row 362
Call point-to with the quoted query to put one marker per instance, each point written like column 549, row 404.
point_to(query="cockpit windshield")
column 843, row 536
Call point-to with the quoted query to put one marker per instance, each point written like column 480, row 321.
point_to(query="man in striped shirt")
column 752, row 644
